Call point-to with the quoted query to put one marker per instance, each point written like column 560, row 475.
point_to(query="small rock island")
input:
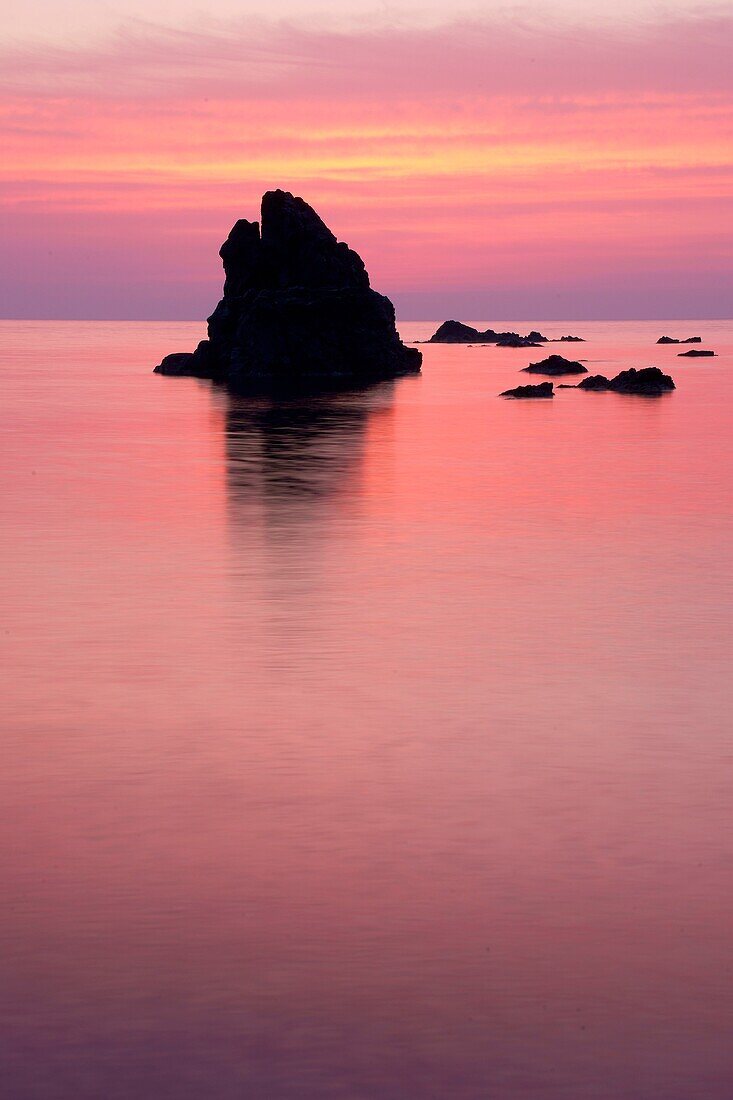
column 455, row 332
column 673, row 340
column 542, row 389
column 645, row 382
column 556, row 365
column 297, row 310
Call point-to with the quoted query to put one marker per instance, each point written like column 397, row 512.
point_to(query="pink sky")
column 493, row 166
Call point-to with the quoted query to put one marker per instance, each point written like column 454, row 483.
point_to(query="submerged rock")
column 646, row 382
column 297, row 310
column 556, row 365
column 542, row 389
column 694, row 354
column 517, row 342
column 672, row 340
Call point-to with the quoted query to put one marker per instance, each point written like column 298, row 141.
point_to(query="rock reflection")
column 292, row 461
column 294, row 476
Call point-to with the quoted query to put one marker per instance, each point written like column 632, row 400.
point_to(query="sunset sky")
column 562, row 159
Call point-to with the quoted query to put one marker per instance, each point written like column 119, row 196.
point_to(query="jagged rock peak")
column 302, row 251
column 294, row 248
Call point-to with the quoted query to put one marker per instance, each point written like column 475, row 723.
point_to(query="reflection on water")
column 311, row 448
column 371, row 746
column 295, row 477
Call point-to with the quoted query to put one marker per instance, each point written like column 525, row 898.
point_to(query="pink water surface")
column 373, row 746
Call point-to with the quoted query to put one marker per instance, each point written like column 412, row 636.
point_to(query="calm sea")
column 376, row 746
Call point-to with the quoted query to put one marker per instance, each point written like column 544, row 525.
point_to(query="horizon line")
column 408, row 320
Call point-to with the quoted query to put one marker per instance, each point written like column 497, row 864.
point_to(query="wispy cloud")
column 487, row 57
column 470, row 153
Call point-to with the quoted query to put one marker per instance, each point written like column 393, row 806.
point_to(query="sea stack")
column 297, row 311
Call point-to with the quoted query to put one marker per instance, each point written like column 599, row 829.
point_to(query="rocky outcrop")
column 646, row 382
column 695, row 354
column 455, row 332
column 672, row 340
column 542, row 389
column 196, row 364
column 556, row 365
column 592, row 382
column 297, row 310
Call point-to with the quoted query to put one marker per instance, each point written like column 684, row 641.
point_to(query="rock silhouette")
column 542, row 389
column 297, row 310
column 592, row 382
column 672, row 340
column 694, row 354
column 455, row 332
column 646, row 382
column 555, row 365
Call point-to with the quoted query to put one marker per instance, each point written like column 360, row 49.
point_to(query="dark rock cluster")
column 646, row 382
column 297, row 310
column 455, row 332
column 696, row 353
column 672, row 340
